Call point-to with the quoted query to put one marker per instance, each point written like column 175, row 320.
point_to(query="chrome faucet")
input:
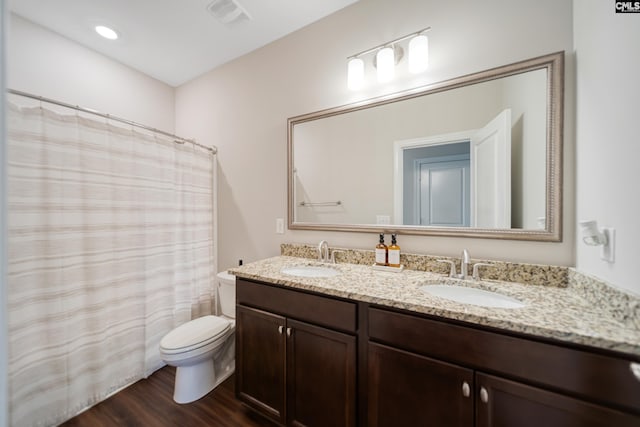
column 323, row 251
column 464, row 266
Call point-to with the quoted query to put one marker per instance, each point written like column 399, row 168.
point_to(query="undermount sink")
column 310, row 271
column 473, row 296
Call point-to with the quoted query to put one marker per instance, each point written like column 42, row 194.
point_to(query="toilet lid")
column 198, row 331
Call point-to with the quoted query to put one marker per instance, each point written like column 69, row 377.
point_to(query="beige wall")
column 242, row 107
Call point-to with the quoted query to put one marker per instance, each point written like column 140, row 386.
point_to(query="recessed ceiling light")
column 106, row 32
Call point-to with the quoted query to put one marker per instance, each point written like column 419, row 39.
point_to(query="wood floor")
column 149, row 403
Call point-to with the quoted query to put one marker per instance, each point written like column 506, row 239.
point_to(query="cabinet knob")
column 635, row 369
column 280, row 328
column 466, row 390
column 484, row 395
column 288, row 332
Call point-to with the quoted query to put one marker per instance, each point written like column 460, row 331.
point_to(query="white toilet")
column 203, row 349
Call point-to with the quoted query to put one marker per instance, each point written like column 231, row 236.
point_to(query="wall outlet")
column 279, row 225
column 383, row 219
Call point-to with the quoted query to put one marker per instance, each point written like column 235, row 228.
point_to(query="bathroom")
column 242, row 107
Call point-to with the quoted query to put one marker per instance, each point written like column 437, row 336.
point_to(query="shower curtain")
column 110, row 239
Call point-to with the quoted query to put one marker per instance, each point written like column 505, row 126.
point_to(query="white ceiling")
column 173, row 40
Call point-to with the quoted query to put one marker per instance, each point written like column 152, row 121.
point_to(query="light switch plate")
column 279, row 225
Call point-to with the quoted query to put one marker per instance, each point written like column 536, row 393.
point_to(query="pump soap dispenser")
column 394, row 253
column 381, row 252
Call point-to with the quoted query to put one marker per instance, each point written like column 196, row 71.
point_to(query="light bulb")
column 418, row 54
column 355, row 73
column 385, row 62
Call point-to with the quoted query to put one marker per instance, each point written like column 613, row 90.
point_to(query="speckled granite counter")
column 566, row 313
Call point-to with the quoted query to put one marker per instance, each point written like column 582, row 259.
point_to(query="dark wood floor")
column 149, row 402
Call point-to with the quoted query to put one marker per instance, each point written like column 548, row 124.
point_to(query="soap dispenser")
column 381, row 252
column 393, row 253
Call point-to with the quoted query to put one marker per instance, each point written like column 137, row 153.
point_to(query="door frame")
column 398, row 162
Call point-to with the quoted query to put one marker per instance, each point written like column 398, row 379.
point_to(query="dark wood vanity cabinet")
column 296, row 355
column 428, row 372
column 305, row 359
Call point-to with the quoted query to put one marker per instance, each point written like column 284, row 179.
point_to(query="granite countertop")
column 552, row 312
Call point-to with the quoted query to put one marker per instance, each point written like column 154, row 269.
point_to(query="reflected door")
column 444, row 193
column 491, row 174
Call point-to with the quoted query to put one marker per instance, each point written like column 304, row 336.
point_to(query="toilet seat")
column 195, row 334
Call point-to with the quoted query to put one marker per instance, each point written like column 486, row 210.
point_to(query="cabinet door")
column 406, row 389
column 503, row 403
column 260, row 359
column 321, row 376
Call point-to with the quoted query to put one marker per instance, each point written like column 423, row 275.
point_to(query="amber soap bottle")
column 381, row 252
column 393, row 257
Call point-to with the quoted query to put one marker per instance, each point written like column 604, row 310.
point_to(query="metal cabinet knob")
column 466, row 390
column 288, row 332
column 484, row 395
column 635, row 369
column 280, row 328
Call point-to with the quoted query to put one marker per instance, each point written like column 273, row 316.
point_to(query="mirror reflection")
column 473, row 154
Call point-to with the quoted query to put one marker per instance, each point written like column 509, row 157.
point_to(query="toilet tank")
column 227, row 294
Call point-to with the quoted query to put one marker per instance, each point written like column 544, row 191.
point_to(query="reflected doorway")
column 460, row 179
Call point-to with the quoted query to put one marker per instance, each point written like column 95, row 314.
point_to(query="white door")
column 444, row 193
column 491, row 174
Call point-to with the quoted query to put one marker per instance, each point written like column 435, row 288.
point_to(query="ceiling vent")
column 228, row 11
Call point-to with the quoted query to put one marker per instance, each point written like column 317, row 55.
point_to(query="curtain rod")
column 177, row 139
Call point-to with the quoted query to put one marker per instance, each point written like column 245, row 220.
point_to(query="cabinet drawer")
column 599, row 377
column 324, row 311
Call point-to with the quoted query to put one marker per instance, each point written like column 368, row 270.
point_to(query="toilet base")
column 194, row 381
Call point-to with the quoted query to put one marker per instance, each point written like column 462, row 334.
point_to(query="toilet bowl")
column 202, row 350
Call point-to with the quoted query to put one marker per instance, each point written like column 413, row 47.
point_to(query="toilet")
column 203, row 349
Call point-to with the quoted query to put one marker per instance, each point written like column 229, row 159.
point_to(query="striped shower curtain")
column 110, row 247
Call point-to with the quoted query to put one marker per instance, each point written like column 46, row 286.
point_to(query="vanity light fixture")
column 387, row 56
column 594, row 236
column 106, row 32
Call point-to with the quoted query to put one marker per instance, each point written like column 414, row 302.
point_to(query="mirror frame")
column 553, row 63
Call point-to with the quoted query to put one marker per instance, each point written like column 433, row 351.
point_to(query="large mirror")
column 475, row 156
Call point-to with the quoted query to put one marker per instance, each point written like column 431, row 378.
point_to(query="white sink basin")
column 473, row 296
column 310, row 271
